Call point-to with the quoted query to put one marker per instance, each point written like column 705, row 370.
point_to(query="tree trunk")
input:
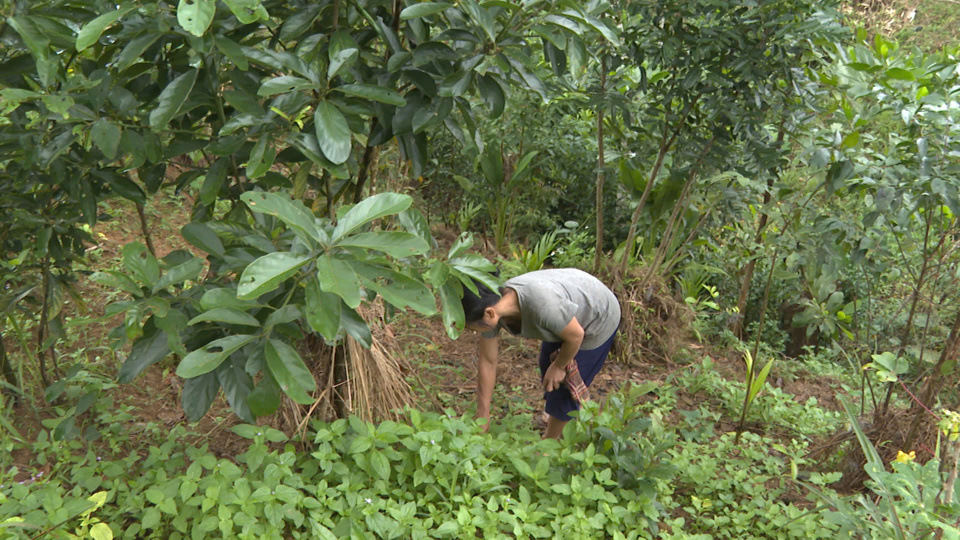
column 364, row 171
column 341, row 403
column 43, row 322
column 672, row 223
column 666, row 143
column 8, row 374
column 933, row 382
column 917, row 291
column 752, row 264
column 600, row 164
column 145, row 229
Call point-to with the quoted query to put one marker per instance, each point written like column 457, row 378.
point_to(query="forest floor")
column 443, row 371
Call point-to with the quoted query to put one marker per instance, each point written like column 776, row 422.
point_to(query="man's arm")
column 572, row 337
column 486, row 375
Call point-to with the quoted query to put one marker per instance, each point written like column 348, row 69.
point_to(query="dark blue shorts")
column 559, row 402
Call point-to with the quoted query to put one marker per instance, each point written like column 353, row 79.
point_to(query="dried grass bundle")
column 654, row 325
column 352, row 380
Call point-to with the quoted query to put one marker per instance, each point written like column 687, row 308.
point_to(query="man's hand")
column 553, row 378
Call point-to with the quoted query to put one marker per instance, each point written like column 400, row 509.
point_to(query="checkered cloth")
column 578, row 389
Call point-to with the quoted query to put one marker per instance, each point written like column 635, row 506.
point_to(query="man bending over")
column 570, row 311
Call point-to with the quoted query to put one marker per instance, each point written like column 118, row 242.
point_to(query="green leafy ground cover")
column 622, row 472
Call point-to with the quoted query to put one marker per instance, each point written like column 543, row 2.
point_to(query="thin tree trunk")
column 666, row 143
column 934, row 381
column 600, row 165
column 145, row 229
column 364, row 171
column 917, row 291
column 671, row 229
column 951, row 462
column 8, row 374
column 341, row 403
column 752, row 264
column 756, row 347
column 43, row 323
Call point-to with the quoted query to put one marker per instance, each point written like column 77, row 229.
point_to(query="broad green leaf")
column 333, row 133
column 343, row 51
column 265, row 398
column 203, row 237
column 144, row 353
column 397, row 289
column 237, row 385
column 290, row 372
column 423, row 9
column 135, row 49
column 32, row 36
column 117, row 280
column 394, row 243
column 225, row 315
column 18, row 94
column 284, row 315
column 373, row 93
column 605, row 31
column 195, row 16
column 267, row 273
column 213, row 182
column 123, row 186
column 453, row 317
column 224, row 298
column 101, row 531
column 491, row 163
column 106, row 135
column 759, row 381
column 323, row 310
column 189, row 270
column 483, row 276
column 369, row 209
column 520, row 170
column 533, row 82
column 299, row 22
column 211, row 355
column 850, row 140
column 293, row 213
column 463, row 243
column 232, row 50
column 261, row 158
column 481, row 16
column 171, row 99
column 282, row 85
column 338, row 278
column 141, row 263
column 900, row 74
column 380, row 464
column 416, row 223
column 492, row 93
column 247, row 11
column 92, row 31
column 355, row 326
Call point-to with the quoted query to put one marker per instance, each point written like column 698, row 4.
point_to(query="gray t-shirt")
column 550, row 299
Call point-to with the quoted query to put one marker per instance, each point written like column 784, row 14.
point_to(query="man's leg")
column 560, row 403
column 554, row 428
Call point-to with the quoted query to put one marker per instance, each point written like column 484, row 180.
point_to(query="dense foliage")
column 793, row 183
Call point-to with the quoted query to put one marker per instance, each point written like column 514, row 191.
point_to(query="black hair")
column 474, row 305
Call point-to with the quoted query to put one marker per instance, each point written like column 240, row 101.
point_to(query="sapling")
column 755, row 382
